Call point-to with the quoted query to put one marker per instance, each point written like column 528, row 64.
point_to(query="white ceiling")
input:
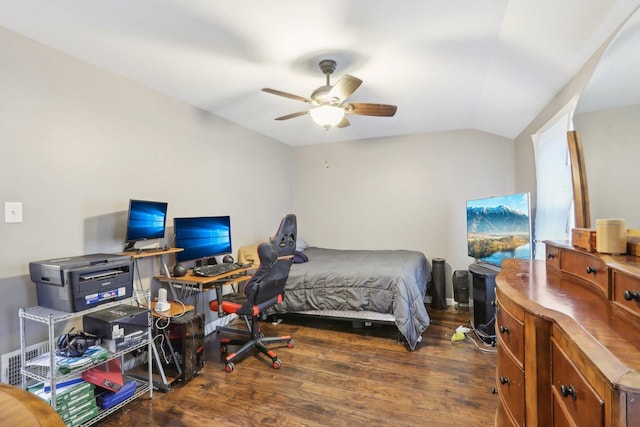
column 489, row 65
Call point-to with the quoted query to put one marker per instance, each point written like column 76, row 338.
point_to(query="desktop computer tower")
column 483, row 289
column 186, row 335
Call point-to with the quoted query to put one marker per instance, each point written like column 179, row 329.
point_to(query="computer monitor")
column 202, row 238
column 146, row 220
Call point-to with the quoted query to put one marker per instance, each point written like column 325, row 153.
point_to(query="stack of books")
column 75, row 400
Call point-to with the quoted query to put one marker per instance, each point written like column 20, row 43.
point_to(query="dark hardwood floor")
column 335, row 375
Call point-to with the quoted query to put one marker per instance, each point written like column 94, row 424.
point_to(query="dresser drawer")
column 510, row 332
column 503, row 417
column 587, row 267
column 553, row 256
column 510, row 381
column 573, row 397
column 625, row 291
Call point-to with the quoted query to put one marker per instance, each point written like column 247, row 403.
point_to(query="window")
column 554, row 215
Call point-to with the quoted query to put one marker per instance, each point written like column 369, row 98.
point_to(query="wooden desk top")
column 146, row 254
column 176, row 309
column 229, row 278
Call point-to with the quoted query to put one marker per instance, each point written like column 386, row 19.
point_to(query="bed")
column 368, row 285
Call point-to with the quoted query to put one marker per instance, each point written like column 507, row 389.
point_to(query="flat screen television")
column 499, row 228
column 146, row 220
column 202, row 238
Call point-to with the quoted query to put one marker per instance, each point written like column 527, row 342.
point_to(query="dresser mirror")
column 607, row 118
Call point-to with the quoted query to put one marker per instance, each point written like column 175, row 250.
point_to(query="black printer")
column 81, row 282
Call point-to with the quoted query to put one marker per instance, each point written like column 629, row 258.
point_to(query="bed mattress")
column 388, row 282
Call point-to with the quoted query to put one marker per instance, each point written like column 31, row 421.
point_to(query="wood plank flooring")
column 336, row 375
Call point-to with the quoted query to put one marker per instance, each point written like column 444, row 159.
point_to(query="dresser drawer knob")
column 592, row 270
column 632, row 296
column 504, row 329
column 504, row 380
column 551, row 255
column 567, row 391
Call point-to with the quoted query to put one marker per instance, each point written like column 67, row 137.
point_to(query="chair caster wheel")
column 229, row 367
column 277, row 364
column 223, row 349
column 291, row 343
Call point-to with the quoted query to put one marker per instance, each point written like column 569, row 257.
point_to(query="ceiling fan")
column 330, row 104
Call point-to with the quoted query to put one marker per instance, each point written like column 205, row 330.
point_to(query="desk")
column 154, row 253
column 175, row 309
column 200, row 283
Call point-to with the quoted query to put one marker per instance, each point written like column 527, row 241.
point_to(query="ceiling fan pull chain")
column 326, row 149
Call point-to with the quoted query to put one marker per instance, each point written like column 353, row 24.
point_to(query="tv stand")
column 488, row 266
column 483, row 291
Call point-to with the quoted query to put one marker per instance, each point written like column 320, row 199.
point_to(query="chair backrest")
column 266, row 286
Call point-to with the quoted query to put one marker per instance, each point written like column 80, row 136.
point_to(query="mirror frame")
column 582, row 211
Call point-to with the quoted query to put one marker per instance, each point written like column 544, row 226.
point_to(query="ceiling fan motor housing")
column 321, row 94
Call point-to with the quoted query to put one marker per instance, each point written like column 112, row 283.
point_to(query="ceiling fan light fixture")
column 327, row 116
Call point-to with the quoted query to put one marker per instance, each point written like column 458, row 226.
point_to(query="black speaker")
column 75, row 344
column 179, row 270
column 438, row 298
column 228, row 259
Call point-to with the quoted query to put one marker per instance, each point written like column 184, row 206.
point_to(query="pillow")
column 299, row 257
column 301, row 245
column 249, row 254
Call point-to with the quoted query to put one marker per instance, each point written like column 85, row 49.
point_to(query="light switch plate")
column 12, row 212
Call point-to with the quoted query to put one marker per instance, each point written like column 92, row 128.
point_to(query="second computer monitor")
column 202, row 238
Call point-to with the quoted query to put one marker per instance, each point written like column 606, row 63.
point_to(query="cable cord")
column 485, row 350
column 164, row 354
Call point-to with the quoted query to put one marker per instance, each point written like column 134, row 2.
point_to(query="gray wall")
column 406, row 192
column 79, row 142
column 611, row 151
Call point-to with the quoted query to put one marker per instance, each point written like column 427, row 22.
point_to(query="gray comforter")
column 383, row 281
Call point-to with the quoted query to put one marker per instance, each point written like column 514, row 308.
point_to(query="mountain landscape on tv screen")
column 496, row 229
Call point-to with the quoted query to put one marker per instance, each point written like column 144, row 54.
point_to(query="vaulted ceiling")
column 489, row 65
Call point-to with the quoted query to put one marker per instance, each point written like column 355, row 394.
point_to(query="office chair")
column 263, row 290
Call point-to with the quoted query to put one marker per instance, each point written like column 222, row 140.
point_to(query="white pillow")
column 301, row 245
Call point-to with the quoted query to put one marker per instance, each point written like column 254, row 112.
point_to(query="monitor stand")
column 142, row 245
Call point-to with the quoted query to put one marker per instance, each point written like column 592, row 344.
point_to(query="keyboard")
column 215, row 269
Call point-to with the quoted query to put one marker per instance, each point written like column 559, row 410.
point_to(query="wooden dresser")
column 569, row 340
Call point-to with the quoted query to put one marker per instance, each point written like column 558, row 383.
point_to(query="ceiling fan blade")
column 344, row 87
column 285, row 94
column 343, row 123
column 368, row 109
column 292, row 115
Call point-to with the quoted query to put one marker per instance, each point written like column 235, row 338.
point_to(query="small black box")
column 117, row 322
